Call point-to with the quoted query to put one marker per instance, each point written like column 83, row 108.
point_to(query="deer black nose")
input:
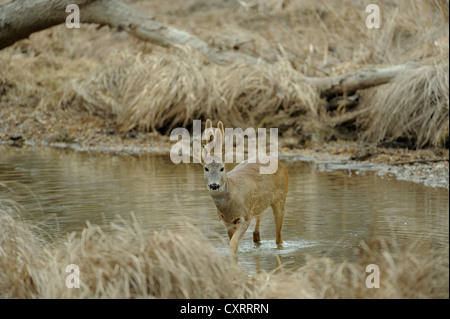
column 214, row 186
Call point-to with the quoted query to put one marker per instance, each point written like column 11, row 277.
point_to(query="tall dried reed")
column 412, row 107
column 130, row 263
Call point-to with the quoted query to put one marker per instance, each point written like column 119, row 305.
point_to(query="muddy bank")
column 433, row 174
column 86, row 133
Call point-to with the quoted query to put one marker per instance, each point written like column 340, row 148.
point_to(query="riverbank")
column 80, row 131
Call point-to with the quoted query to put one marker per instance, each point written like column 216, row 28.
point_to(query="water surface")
column 328, row 213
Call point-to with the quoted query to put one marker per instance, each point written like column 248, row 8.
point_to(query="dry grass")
column 129, row 263
column 140, row 86
column 125, row 264
column 404, row 273
column 158, row 93
column 413, row 107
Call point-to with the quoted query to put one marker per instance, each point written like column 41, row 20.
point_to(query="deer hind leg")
column 256, row 237
column 278, row 214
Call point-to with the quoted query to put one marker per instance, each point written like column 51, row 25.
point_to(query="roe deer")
column 243, row 193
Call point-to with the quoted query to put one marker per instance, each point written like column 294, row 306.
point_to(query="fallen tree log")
column 358, row 80
column 19, row 19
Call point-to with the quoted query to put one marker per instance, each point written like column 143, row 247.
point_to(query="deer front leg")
column 230, row 232
column 241, row 228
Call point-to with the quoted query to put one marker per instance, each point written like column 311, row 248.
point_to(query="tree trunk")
column 19, row 19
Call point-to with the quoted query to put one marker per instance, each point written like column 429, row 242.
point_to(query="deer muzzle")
column 214, row 186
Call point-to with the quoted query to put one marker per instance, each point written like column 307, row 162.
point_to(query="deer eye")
column 206, row 169
column 221, row 169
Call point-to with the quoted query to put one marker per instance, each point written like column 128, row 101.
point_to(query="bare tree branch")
column 361, row 79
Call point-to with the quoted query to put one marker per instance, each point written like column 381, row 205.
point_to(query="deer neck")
column 223, row 197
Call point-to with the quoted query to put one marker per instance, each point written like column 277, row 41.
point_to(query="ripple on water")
column 267, row 248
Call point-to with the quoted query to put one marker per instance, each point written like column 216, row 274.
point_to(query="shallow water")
column 328, row 213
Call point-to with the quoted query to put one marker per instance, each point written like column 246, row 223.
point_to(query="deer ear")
column 218, row 142
column 209, row 132
column 220, row 127
column 218, row 138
